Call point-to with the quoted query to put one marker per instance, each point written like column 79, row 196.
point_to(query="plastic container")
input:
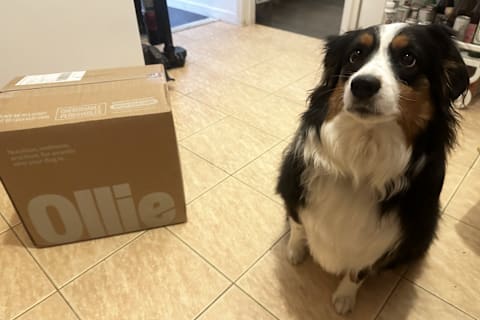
column 389, row 12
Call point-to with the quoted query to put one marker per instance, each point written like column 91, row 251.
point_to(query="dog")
column 362, row 176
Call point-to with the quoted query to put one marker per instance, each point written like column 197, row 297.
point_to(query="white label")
column 137, row 104
column 26, row 116
column 51, row 78
column 79, row 112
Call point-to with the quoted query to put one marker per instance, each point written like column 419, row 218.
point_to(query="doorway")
column 315, row 18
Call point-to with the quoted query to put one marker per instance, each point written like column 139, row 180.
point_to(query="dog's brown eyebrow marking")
column 400, row 41
column 366, row 39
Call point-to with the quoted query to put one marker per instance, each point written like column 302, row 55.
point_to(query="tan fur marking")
column 335, row 102
column 400, row 41
column 416, row 108
column 366, row 39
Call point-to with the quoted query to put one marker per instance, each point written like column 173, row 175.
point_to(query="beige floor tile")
column 450, row 270
column 228, row 95
column 304, row 291
column 3, row 225
column 262, row 173
column 198, row 174
column 456, row 171
column 6, row 208
column 465, row 205
column 193, row 76
column 299, row 90
column 465, row 152
column 230, row 144
column 235, row 305
column 468, row 138
column 275, row 74
column 274, row 115
column 155, row 277
column 232, row 226
column 191, row 116
column 22, row 283
column 63, row 263
column 53, row 308
column 410, row 302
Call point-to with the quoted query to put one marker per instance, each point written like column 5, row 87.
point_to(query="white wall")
column 44, row 36
column 371, row 13
column 227, row 10
column 361, row 13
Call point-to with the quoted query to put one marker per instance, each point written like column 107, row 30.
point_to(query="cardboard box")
column 90, row 154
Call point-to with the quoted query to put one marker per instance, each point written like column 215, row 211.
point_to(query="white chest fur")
column 348, row 171
column 343, row 227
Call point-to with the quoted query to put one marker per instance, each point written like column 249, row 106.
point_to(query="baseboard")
column 193, row 24
column 205, row 10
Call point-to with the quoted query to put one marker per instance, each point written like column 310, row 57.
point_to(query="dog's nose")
column 364, row 87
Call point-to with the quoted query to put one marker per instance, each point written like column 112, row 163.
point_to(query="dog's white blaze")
column 386, row 100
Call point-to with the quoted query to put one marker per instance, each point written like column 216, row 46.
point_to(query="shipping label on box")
column 91, row 158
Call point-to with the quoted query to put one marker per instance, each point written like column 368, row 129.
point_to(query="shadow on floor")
column 305, row 290
column 468, row 235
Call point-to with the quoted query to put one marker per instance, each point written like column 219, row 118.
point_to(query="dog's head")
column 410, row 74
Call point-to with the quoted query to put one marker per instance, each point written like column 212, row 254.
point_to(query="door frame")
column 350, row 15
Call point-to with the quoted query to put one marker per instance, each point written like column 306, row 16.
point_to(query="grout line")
column 199, row 255
column 69, row 305
column 203, row 158
column 439, row 297
column 237, row 117
column 8, row 229
column 44, row 272
column 257, row 157
column 280, row 203
column 463, row 222
column 253, row 188
column 34, row 305
column 254, row 263
column 234, row 284
column 213, row 302
column 102, row 259
column 207, row 126
column 464, row 177
column 256, row 301
column 388, row 297
column 207, row 190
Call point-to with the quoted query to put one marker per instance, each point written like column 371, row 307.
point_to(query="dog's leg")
column 297, row 243
column 344, row 297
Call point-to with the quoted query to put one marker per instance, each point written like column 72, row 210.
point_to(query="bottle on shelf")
column 473, row 25
column 389, row 12
column 462, row 8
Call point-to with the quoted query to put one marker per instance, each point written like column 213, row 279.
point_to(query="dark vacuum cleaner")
column 154, row 22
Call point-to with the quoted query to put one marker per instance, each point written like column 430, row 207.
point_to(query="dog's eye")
column 355, row 56
column 408, row 60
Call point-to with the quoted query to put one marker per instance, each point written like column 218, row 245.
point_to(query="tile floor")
column 235, row 105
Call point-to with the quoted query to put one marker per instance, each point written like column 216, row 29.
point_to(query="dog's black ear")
column 335, row 49
column 455, row 79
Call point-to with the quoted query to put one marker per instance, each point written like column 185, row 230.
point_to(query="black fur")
column 418, row 205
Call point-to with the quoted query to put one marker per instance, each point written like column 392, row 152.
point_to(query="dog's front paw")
column 343, row 303
column 296, row 252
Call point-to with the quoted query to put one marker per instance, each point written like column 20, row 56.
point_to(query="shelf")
column 471, row 61
column 468, row 46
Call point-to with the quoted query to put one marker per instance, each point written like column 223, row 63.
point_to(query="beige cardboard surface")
column 92, row 175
